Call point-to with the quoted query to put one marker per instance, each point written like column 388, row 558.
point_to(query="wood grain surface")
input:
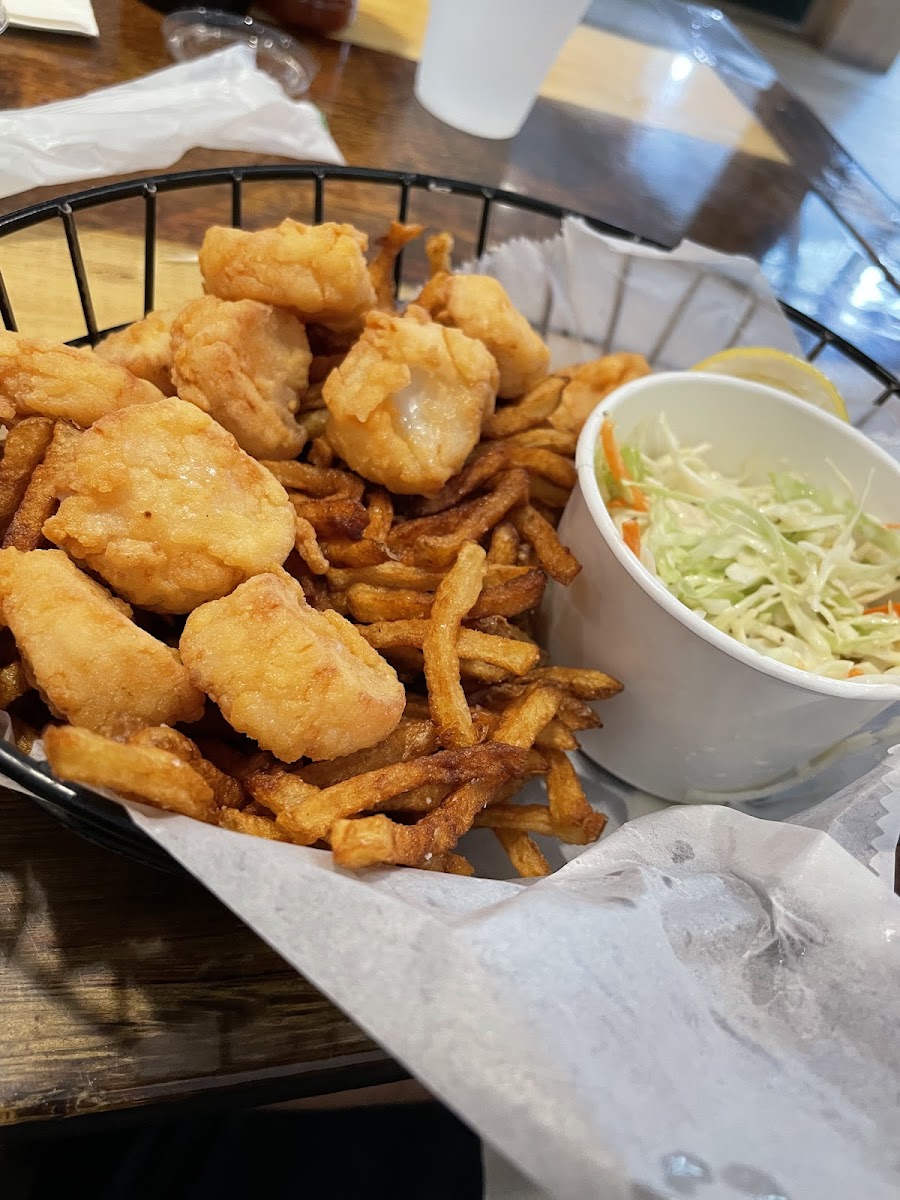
column 125, row 987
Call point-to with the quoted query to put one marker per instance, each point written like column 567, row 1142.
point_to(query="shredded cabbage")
column 800, row 573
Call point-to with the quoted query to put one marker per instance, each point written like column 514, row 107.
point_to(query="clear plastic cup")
column 484, row 61
column 192, row 32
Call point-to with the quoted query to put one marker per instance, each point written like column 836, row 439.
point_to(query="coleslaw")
column 800, row 573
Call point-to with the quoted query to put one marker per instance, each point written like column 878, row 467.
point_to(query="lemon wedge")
column 781, row 370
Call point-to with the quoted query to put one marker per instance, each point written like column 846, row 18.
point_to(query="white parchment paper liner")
column 703, row 1004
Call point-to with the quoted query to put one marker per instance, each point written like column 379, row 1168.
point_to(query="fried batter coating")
column 144, row 348
column 163, row 503
column 88, row 660
column 405, row 406
column 246, row 364
column 318, row 271
column 592, row 382
column 46, row 378
column 300, row 682
column 480, row 307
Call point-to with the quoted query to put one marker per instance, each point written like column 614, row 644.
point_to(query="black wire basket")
column 478, row 216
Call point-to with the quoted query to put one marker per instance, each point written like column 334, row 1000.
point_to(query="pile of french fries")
column 446, row 587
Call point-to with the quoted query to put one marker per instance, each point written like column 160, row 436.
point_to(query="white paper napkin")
column 222, row 101
column 54, row 16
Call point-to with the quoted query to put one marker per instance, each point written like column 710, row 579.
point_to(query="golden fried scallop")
column 84, row 654
column 52, row 380
column 318, row 271
column 406, row 405
column 302, row 683
column 246, row 364
column 161, row 502
column 480, row 307
column 592, row 382
column 144, row 348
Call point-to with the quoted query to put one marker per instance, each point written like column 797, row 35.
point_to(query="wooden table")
column 124, row 987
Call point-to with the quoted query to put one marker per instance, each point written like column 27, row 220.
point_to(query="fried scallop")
column 590, row 383
column 161, row 502
column 246, row 364
column 480, row 307
column 406, row 405
column 302, row 683
column 144, row 348
column 84, row 654
column 317, row 271
column 52, row 380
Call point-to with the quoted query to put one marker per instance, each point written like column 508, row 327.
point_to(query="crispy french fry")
column 320, row 452
column 342, row 552
column 227, row 792
column 410, row 660
column 381, row 268
column 537, row 460
column 577, row 714
column 483, row 647
column 537, row 818
column 545, row 438
column 452, row 601
column 502, row 627
column 526, row 818
column 307, row 813
column 25, row 529
column 417, row 579
column 307, row 546
column 370, row 840
column 581, row 682
column 24, row 735
column 435, row 541
column 252, row 824
column 333, row 516
column 555, row 736
column 24, row 448
column 412, row 738
column 416, row 801
column 523, row 853
column 381, row 515
column 548, row 496
column 371, row 604
column 504, row 547
column 450, row 864
column 13, row 683
column 321, row 482
column 473, row 476
column 533, row 409
column 570, row 813
column 559, row 562
column 140, row 772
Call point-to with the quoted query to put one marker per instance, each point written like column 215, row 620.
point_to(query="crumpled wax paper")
column 703, row 1004
column 221, row 101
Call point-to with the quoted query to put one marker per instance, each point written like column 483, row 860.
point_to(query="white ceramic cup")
column 702, row 716
column 484, row 61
